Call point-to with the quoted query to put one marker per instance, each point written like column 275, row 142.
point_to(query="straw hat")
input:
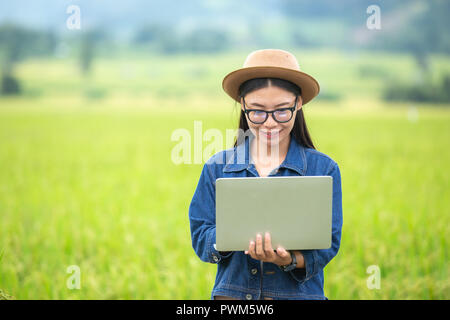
column 271, row 63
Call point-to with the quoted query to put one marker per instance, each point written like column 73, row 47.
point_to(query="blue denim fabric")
column 238, row 274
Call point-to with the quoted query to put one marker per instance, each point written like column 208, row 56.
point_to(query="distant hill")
column 413, row 25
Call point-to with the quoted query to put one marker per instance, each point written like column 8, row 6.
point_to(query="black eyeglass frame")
column 292, row 109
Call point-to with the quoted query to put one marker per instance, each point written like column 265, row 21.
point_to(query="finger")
column 251, row 249
column 247, row 251
column 268, row 251
column 282, row 253
column 259, row 247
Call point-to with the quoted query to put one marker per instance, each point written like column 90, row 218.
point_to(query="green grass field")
column 86, row 178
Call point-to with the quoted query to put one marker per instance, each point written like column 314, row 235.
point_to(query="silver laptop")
column 296, row 210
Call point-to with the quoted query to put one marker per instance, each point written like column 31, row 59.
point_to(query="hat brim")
column 232, row 81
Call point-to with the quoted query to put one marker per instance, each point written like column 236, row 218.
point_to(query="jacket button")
column 254, row 271
column 215, row 258
column 248, row 296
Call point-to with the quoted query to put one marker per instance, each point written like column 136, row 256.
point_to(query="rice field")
column 87, row 179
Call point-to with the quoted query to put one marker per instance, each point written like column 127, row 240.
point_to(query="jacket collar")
column 295, row 157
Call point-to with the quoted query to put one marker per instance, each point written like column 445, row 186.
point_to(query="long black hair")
column 299, row 131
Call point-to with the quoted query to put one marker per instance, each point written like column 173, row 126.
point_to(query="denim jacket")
column 239, row 275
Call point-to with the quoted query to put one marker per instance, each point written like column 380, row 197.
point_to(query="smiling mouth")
column 270, row 135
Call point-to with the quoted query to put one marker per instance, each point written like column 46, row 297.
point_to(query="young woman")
column 272, row 140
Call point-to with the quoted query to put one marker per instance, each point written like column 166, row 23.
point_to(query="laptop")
column 296, row 210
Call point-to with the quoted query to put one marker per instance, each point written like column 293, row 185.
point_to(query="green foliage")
column 88, row 42
column 166, row 40
column 17, row 43
column 425, row 92
column 96, row 188
column 152, row 33
column 206, row 40
column 9, row 85
column 5, row 296
column 86, row 176
column 406, row 25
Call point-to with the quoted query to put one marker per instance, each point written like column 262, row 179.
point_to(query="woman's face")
column 271, row 98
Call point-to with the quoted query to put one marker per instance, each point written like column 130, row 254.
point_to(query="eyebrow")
column 263, row 106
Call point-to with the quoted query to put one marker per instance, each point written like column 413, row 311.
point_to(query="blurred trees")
column 423, row 92
column 9, row 84
column 166, row 40
column 420, row 28
column 16, row 44
column 89, row 42
column 86, row 53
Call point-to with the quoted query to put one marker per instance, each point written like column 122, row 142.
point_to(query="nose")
column 270, row 122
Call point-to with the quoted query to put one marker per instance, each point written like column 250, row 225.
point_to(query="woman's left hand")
column 266, row 253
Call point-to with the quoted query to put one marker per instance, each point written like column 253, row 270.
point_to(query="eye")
column 257, row 116
column 283, row 115
column 282, row 112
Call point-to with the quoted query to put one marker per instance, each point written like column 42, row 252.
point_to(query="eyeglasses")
column 281, row 115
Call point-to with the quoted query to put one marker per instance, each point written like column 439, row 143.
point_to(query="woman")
column 272, row 141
